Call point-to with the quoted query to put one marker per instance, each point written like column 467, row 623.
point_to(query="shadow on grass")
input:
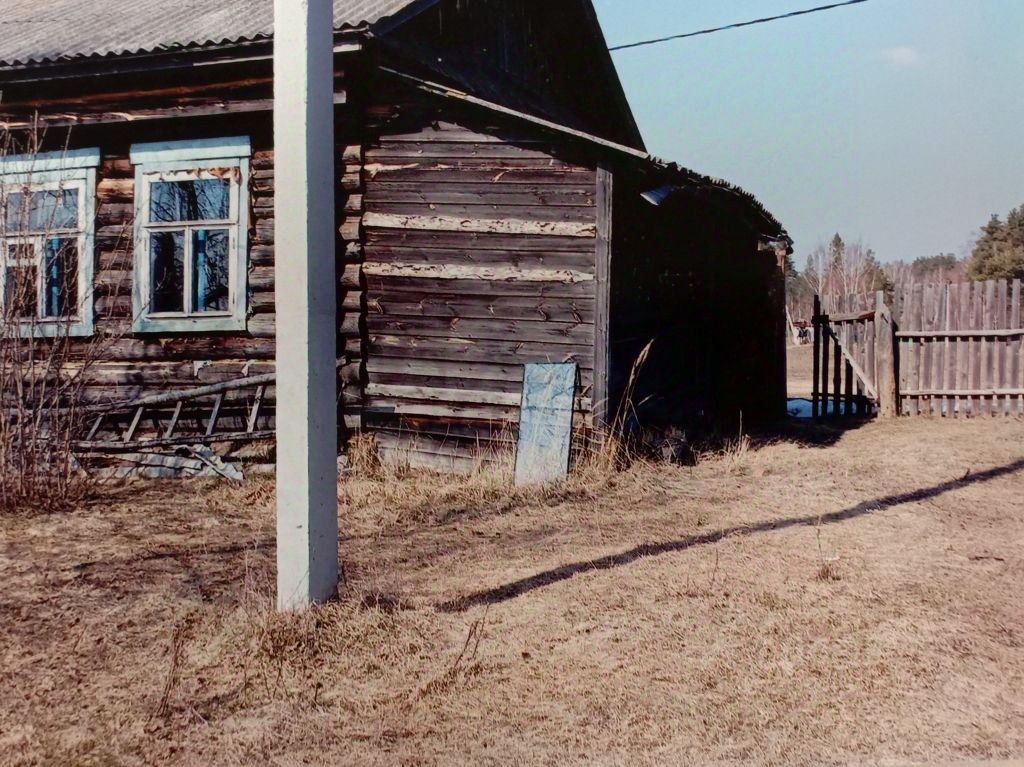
column 518, row 588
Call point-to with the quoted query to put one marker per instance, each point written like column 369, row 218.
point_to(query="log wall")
column 117, row 365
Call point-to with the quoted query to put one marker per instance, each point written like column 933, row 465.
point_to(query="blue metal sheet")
column 545, row 422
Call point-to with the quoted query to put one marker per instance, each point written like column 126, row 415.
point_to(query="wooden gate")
column 951, row 350
column 853, row 358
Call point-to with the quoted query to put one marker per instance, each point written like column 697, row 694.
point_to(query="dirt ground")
column 829, row 598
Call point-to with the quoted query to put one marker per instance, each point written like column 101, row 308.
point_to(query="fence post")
column 885, row 355
column 815, row 390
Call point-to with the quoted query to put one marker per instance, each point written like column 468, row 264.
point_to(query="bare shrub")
column 44, row 364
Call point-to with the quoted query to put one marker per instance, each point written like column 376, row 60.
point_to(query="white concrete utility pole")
column 307, row 417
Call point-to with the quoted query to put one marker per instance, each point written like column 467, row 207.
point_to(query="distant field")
column 832, row 598
column 800, row 370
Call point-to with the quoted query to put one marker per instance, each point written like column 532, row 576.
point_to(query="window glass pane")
column 210, row 270
column 42, row 211
column 167, row 251
column 205, row 199
column 21, row 288
column 60, row 278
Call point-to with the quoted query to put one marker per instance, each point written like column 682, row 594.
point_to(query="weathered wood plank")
column 452, row 305
column 501, row 352
column 480, row 194
column 380, row 286
column 477, row 272
column 494, row 329
column 504, row 226
column 532, row 217
column 579, row 261
column 526, row 243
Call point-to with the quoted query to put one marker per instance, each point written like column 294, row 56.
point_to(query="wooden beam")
column 978, row 334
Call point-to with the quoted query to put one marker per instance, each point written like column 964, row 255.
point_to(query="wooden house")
column 496, row 207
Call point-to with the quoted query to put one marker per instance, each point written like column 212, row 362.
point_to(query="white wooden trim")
column 234, row 147
column 43, row 162
column 84, row 178
column 178, row 160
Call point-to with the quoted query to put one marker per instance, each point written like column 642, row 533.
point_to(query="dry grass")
column 857, row 603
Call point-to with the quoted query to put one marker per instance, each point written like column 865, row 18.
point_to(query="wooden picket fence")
column 953, row 350
column 961, row 349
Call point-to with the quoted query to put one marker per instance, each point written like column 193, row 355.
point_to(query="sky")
column 899, row 123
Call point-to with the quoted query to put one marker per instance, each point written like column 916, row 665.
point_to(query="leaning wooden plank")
column 185, row 394
column 481, row 225
column 193, row 439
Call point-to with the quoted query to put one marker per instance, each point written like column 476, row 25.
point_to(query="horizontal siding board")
column 583, row 262
column 380, row 286
column 453, row 369
column 504, row 352
column 480, row 194
column 478, row 241
column 456, row 166
column 450, row 305
column 436, row 173
column 492, row 329
column 533, row 212
column 400, row 407
column 432, row 222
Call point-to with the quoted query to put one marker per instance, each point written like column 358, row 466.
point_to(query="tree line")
column 846, row 268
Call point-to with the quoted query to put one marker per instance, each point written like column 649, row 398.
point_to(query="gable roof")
column 32, row 31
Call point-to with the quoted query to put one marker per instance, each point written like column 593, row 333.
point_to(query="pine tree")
column 999, row 252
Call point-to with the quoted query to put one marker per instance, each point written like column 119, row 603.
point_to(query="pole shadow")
column 523, row 586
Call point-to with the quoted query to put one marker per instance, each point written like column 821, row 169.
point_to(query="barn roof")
column 35, row 32
column 664, row 178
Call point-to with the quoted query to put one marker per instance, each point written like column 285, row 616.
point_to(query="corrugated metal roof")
column 51, row 30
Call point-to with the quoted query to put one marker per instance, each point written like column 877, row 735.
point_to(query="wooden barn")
column 496, row 207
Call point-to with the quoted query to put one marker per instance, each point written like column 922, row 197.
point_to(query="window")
column 191, row 235
column 46, row 241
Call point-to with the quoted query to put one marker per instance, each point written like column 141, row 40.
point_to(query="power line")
column 791, row 15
